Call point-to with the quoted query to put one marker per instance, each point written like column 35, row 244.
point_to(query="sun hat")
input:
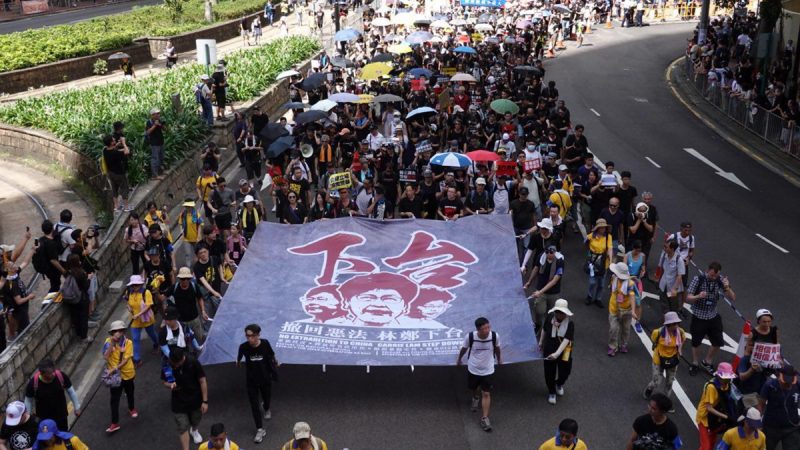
column 563, row 168
column 302, row 430
column 135, row 279
column 480, row 180
column 545, row 223
column 248, row 199
column 601, row 223
column 185, row 272
column 671, row 317
column 620, row 269
column 561, row 305
column 116, row 326
column 763, row 312
column 725, row 371
column 154, row 111
column 189, row 203
column 14, row 413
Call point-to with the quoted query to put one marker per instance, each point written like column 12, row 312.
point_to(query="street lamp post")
column 703, row 29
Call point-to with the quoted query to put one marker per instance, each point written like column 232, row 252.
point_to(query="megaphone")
column 306, row 150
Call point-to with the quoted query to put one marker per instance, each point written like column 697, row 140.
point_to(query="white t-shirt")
column 684, row 243
column 480, row 360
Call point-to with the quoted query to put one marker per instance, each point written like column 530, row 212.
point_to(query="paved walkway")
column 11, row 22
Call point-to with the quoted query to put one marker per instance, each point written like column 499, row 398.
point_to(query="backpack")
column 195, row 289
column 57, row 373
column 59, row 231
column 39, row 260
column 472, row 341
column 198, row 93
column 71, row 293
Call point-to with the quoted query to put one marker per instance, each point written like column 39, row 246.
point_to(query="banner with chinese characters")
column 767, row 355
column 484, row 3
column 355, row 291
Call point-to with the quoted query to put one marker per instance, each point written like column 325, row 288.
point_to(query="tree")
column 175, row 8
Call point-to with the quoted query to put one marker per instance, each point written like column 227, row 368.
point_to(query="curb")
column 721, row 125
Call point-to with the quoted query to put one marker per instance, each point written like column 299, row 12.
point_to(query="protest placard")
column 508, row 168
column 767, row 355
column 339, row 180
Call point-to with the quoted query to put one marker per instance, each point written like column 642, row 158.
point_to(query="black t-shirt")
column 299, row 187
column 614, row 220
column 537, row 243
column 208, row 270
column 153, row 271
column 551, row 344
column 22, row 436
column 259, row 122
column 257, row 361
column 626, row 197
column 187, row 397
column 50, row 400
column 412, row 206
column 216, row 250
column 667, row 431
column 451, row 208
column 186, row 301
column 115, row 161
column 523, row 212
column 544, row 274
column 642, row 234
column 157, row 135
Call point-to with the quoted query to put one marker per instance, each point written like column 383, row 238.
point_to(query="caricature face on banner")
column 360, row 292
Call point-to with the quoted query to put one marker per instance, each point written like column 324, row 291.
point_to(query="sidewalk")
column 765, row 154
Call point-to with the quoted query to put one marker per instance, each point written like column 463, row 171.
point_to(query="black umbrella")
column 273, row 131
column 310, row 116
column 278, row 147
column 314, row 81
column 382, row 57
column 294, row 105
column 341, row 61
column 530, row 69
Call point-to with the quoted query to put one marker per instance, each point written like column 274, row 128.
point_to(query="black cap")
column 154, row 227
column 524, row 191
column 787, row 370
column 171, row 313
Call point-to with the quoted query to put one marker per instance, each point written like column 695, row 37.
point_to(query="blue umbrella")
column 420, row 72
column 348, row 34
column 279, row 146
column 464, row 49
column 419, row 37
column 450, row 159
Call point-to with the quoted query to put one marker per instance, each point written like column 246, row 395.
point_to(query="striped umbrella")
column 450, row 159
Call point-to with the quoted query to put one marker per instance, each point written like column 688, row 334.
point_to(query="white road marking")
column 772, row 243
column 730, row 176
column 652, row 162
column 595, row 112
column 641, row 100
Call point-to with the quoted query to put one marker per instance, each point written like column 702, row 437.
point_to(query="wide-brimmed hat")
column 116, row 326
column 185, row 272
column 620, row 269
column 248, row 199
column 546, row 223
column 561, row 305
column 725, row 371
column 136, row 279
column 601, row 223
column 671, row 317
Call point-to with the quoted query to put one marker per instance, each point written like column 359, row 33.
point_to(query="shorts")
column 223, row 221
column 119, row 185
column 188, row 419
column 482, row 381
column 712, row 328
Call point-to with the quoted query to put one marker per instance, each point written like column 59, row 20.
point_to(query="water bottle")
column 168, row 375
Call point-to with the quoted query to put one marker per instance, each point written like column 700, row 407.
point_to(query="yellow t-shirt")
column 77, row 444
column 190, row 227
column 628, row 298
column 135, row 306
column 664, row 350
column 205, row 446
column 550, row 444
column 127, row 371
column 203, row 185
column 710, row 396
column 149, row 221
column 321, row 445
column 563, row 200
column 735, row 439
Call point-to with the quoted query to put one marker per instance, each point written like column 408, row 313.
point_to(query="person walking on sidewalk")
column 260, row 365
column 704, row 293
column 44, row 394
column 140, row 306
column 187, row 381
column 482, row 348
column 555, row 344
column 620, row 308
column 565, row 438
column 118, row 353
column 667, row 347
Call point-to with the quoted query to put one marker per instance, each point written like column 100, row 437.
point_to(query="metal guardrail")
column 775, row 130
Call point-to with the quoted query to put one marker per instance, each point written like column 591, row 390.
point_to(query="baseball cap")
column 302, row 430
column 14, row 413
column 763, row 312
column 506, row 136
column 753, row 417
column 248, row 199
column 480, row 180
column 205, row 77
column 524, row 191
column 562, row 168
column 243, row 182
column 171, row 313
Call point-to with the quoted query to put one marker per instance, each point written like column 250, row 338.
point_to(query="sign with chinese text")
column 355, row 291
column 767, row 355
column 508, row 168
column 339, row 180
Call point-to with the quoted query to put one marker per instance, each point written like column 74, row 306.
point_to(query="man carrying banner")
column 482, row 348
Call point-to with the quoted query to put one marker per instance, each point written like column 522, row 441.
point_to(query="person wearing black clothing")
column 15, row 299
column 260, row 364
column 44, row 394
column 115, row 158
column 410, row 205
column 154, row 130
column 188, row 300
column 154, row 268
column 258, row 121
column 175, row 334
column 479, row 201
column 555, row 343
column 156, row 239
column 78, row 312
column 210, row 156
column 211, row 240
column 575, row 148
column 186, row 379
column 655, row 426
column 51, row 252
column 19, row 429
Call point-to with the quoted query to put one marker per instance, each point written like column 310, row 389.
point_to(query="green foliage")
column 44, row 45
column 100, row 67
column 84, row 116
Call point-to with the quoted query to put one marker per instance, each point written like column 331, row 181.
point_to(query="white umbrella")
column 404, row 18
column 440, row 24
column 463, row 77
column 381, row 22
column 287, row 74
column 385, row 9
column 423, row 110
column 324, row 105
column 484, row 27
column 561, row 9
column 344, row 97
column 528, row 12
column 458, row 22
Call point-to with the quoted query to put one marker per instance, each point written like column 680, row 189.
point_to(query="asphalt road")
column 395, row 408
column 74, row 16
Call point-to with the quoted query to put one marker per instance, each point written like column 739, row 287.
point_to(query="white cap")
column 563, row 168
column 248, row 199
column 302, row 430
column 763, row 312
column 205, row 77
column 14, row 413
column 154, row 111
column 506, row 136
column 481, row 180
column 545, row 223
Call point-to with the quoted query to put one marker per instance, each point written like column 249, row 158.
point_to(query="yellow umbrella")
column 399, row 49
column 374, row 71
column 365, row 98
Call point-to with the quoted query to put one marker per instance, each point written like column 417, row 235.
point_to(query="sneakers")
column 112, row 428
column 612, row 351
column 195, row 436
column 588, row 300
column 707, row 366
column 134, row 413
column 693, row 369
column 485, row 424
column 551, row 399
column 599, row 304
column 648, row 391
column 476, row 401
column 638, row 327
column 268, row 414
column 260, row 434
column 623, row 349
column 560, row 390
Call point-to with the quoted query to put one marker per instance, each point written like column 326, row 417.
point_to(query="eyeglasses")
column 292, row 196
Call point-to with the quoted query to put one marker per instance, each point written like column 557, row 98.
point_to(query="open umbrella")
column 287, row 74
column 348, row 34
column 486, row 18
column 529, row 69
column 406, row 18
column 314, row 81
column 118, row 55
column 529, row 12
column 504, row 106
column 324, row 105
column 482, row 155
column 440, row 24
column 310, row 116
column 561, row 9
column 279, row 146
column 387, row 98
column 484, row 27
column 422, row 22
column 381, row 22
column 420, row 72
column 399, row 49
column 294, row 105
column 463, row 77
column 523, row 24
column 273, row 131
column 382, row 57
column 458, row 22
column 341, row 61
column 451, row 159
column 423, row 111
column 373, row 71
column 419, row 37
column 464, row 49
column 344, row 97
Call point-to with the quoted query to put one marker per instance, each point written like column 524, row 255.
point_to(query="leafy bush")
column 84, row 116
column 45, row 45
column 100, row 67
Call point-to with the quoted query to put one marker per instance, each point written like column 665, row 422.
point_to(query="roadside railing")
column 772, row 128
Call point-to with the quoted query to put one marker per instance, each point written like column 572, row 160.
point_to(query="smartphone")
column 27, row 229
column 36, row 242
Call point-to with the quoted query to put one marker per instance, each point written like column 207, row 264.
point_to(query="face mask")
column 531, row 148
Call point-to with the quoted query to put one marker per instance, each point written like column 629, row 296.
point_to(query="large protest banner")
column 356, row 291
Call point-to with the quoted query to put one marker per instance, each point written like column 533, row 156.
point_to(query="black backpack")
column 39, row 260
column 58, row 230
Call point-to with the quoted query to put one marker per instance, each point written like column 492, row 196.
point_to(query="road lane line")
column 652, row 162
column 732, row 345
column 595, row 112
column 772, row 243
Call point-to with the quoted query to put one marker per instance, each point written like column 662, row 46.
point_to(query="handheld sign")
column 767, row 355
column 508, row 168
column 339, row 180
